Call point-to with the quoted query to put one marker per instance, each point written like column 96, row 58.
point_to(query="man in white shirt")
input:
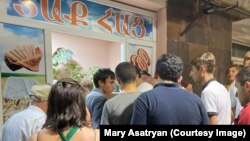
column 214, row 95
column 20, row 126
column 235, row 104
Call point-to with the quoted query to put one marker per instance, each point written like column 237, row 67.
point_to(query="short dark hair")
column 236, row 66
column 138, row 71
column 66, row 105
column 243, row 75
column 126, row 72
column 169, row 67
column 103, row 74
column 141, row 72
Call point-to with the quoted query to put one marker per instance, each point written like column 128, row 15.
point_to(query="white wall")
column 88, row 51
column 114, row 55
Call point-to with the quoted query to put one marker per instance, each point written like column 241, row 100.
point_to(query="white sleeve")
column 232, row 91
column 209, row 100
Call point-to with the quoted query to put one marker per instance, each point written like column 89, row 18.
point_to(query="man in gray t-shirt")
column 118, row 110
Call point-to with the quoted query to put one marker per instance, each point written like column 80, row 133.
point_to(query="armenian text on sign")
column 86, row 15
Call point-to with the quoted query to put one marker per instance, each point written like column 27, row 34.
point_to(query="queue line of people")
column 68, row 114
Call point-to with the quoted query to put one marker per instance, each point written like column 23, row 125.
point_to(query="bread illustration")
column 141, row 59
column 141, row 52
column 27, row 56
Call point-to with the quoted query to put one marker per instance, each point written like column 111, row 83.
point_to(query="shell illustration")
column 27, row 56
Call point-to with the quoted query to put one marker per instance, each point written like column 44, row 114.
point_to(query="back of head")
column 125, row 72
column 103, row 74
column 39, row 93
column 87, row 84
column 169, row 67
column 207, row 60
column 243, row 75
column 247, row 54
column 66, row 105
column 141, row 73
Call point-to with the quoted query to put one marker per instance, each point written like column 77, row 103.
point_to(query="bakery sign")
column 86, row 15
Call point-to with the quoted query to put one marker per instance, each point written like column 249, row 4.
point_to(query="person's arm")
column 189, row 87
column 97, row 108
column 88, row 118
column 213, row 119
column 209, row 100
column 232, row 91
column 233, row 109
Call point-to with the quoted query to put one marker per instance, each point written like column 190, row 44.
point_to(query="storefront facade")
column 31, row 27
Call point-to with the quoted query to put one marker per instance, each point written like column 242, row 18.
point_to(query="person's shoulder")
column 217, row 85
column 43, row 133
column 88, row 133
column 247, row 107
column 95, row 95
column 115, row 98
column 147, row 94
column 194, row 96
column 147, row 84
column 18, row 117
column 46, row 134
column 46, row 131
column 120, row 98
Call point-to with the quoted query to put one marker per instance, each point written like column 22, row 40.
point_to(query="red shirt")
column 244, row 116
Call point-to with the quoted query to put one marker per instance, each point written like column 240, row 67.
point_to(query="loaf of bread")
column 27, row 56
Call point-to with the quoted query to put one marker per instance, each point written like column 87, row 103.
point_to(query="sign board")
column 86, row 15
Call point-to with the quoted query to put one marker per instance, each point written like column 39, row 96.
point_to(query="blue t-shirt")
column 95, row 101
column 168, row 103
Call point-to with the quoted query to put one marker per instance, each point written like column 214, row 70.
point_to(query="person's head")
column 87, row 85
column 247, row 59
column 147, row 77
column 39, row 96
column 169, row 67
column 125, row 73
column 104, row 79
column 232, row 71
column 66, row 105
column 202, row 65
column 243, row 85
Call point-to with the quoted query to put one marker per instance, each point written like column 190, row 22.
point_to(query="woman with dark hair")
column 66, row 115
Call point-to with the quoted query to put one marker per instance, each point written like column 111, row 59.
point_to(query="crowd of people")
column 69, row 110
